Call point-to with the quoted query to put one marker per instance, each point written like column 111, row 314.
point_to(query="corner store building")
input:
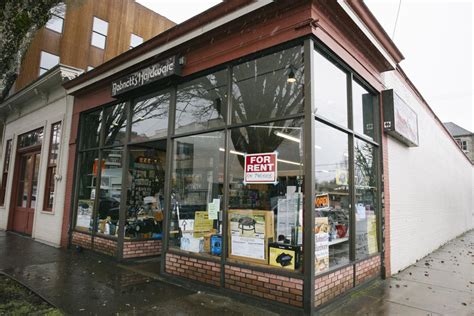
column 270, row 42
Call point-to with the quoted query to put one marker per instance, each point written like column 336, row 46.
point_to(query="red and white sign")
column 260, row 168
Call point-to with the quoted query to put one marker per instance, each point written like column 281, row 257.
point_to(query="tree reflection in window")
column 150, row 118
column 261, row 89
column 202, row 103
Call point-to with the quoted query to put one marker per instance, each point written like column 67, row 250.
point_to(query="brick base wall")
column 270, row 286
column 367, row 269
column 105, row 246
column 194, row 269
column 336, row 283
column 145, row 248
column 82, row 240
column 333, row 284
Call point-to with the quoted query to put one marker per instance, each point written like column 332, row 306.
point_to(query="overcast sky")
column 435, row 36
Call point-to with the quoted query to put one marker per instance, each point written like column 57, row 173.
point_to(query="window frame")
column 105, row 36
column 50, row 175
column 5, row 170
column 58, row 15
column 44, row 68
column 376, row 141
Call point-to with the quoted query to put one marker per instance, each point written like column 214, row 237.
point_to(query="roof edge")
column 366, row 16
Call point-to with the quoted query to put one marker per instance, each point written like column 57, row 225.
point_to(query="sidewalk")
column 88, row 284
column 442, row 283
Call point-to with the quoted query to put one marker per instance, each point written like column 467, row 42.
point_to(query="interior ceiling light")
column 291, row 76
column 292, row 138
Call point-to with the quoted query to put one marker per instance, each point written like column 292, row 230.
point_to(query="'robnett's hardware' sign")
column 146, row 75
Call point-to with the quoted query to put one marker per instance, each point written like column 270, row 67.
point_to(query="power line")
column 396, row 20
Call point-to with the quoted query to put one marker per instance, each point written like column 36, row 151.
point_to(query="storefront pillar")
column 169, row 162
column 309, row 181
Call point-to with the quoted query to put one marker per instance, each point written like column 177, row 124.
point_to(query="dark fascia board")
column 363, row 12
column 173, row 33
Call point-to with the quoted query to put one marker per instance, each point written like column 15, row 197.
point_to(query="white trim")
column 366, row 31
column 178, row 41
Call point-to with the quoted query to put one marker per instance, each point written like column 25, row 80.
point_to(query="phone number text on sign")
column 261, row 168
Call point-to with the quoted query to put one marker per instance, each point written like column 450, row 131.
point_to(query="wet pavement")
column 89, row 284
column 442, row 283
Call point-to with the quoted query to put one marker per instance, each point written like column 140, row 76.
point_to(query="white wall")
column 431, row 187
column 37, row 113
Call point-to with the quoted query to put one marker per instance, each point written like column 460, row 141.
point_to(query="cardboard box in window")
column 250, row 232
column 284, row 256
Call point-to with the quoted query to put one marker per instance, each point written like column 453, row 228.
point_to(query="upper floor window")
column 462, row 144
column 47, row 61
column 135, row 40
column 99, row 33
column 56, row 22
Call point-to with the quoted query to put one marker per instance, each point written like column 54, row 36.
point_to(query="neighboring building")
column 85, row 34
column 367, row 180
column 463, row 137
column 36, row 117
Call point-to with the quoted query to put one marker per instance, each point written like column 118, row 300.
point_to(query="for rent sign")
column 261, row 168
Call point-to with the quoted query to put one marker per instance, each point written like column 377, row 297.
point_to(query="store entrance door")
column 27, row 192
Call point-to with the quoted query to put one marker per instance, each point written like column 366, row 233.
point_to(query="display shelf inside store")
column 338, row 241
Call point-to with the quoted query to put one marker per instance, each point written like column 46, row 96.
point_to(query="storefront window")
column 146, row 186
column 365, row 199
column 330, row 90
column 265, row 219
column 363, row 105
column 202, row 103
column 110, row 191
column 197, row 193
column 150, row 118
column 115, row 124
column 268, row 87
column 87, row 174
column 332, row 202
column 91, row 124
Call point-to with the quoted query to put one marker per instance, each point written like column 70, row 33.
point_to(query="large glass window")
column 110, row 191
column 146, row 188
column 265, row 219
column 91, row 125
column 332, row 200
column 202, row 103
column 150, row 118
column 365, row 174
column 197, row 186
column 115, row 124
column 330, row 90
column 268, row 87
column 88, row 172
column 363, row 109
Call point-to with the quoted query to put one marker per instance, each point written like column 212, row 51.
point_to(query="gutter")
column 72, row 87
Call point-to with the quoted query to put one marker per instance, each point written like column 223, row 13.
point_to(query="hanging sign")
column 162, row 69
column 260, row 168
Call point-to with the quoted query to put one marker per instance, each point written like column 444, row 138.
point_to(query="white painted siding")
column 47, row 226
column 431, row 187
